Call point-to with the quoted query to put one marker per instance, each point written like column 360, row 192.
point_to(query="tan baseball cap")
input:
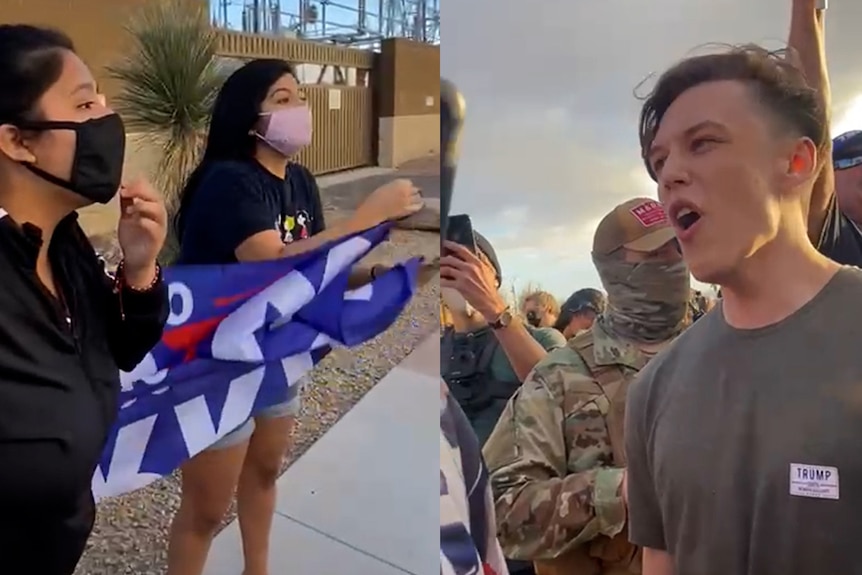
column 639, row 225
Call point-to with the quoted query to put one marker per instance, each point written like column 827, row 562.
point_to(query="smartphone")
column 460, row 231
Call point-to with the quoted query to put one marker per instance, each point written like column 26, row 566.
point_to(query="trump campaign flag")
column 238, row 339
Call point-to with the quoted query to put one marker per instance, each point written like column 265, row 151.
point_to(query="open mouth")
column 687, row 218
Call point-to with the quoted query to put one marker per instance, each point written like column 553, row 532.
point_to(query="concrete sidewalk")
column 364, row 500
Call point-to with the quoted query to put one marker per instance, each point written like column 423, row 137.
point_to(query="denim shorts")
column 242, row 433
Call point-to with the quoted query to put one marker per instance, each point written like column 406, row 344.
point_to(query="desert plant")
column 168, row 84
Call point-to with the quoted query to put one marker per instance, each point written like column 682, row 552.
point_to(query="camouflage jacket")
column 556, row 457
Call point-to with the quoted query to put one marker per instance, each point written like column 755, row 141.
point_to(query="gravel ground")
column 131, row 531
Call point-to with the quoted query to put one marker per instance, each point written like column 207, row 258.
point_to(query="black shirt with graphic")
column 841, row 240
column 238, row 199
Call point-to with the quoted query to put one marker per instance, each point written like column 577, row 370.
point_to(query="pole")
column 255, row 19
column 452, row 113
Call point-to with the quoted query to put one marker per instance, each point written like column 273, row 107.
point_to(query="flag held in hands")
column 238, row 339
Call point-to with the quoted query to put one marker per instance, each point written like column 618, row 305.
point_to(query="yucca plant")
column 168, row 84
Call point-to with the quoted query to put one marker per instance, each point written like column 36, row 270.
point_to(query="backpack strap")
column 487, row 355
column 605, row 375
column 447, row 347
column 614, row 380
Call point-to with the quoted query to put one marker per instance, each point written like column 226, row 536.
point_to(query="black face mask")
column 97, row 168
column 533, row 318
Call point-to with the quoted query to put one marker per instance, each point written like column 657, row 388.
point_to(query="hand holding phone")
column 460, row 231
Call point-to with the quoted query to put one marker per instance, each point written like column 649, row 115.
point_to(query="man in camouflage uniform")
column 556, row 456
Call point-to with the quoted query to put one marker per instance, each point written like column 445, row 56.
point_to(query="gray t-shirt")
column 744, row 447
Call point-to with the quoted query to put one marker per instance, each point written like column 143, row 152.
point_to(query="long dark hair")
column 235, row 114
column 31, row 61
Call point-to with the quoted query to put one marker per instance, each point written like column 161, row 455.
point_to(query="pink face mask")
column 289, row 130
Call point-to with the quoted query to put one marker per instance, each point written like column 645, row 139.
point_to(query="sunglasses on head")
column 848, row 163
column 582, row 309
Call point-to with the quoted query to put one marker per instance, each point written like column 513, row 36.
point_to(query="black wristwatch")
column 503, row 320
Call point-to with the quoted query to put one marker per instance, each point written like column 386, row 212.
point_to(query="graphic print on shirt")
column 279, row 227
column 296, row 227
column 816, row 481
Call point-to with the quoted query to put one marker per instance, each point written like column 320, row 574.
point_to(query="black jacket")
column 840, row 240
column 59, row 371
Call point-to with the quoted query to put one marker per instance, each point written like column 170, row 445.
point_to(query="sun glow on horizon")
column 851, row 119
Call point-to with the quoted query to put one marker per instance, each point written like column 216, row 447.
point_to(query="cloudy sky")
column 550, row 143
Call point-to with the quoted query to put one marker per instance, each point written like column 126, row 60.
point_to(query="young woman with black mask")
column 247, row 201
column 65, row 326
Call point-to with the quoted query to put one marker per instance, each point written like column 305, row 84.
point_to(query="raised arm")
column 475, row 280
column 524, row 349
column 807, row 40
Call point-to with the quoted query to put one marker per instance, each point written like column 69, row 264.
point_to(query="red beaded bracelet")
column 121, row 279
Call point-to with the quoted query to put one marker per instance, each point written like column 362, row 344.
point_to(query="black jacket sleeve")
column 136, row 320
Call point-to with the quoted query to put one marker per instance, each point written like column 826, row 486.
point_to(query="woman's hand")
column 141, row 231
column 392, row 201
column 428, row 271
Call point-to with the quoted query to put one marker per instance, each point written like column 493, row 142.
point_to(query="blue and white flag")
column 238, row 339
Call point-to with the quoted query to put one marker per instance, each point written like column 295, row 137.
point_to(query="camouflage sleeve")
column 552, row 491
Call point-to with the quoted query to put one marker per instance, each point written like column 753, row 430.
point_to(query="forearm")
column 137, row 318
column 544, row 519
column 807, row 40
column 334, row 232
column 521, row 348
column 656, row 562
column 361, row 275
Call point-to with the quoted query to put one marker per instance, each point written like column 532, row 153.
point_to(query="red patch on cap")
column 649, row 214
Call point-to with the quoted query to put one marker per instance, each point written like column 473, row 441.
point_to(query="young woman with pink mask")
column 248, row 201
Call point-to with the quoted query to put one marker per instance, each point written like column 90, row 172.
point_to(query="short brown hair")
column 776, row 82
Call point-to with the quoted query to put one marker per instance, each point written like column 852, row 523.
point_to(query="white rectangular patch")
column 817, row 481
